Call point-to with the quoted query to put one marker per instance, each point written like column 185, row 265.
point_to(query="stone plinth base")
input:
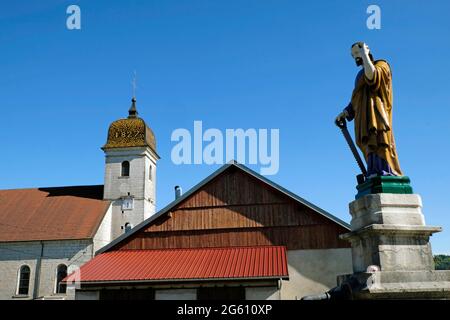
column 392, row 247
column 397, row 285
column 391, row 252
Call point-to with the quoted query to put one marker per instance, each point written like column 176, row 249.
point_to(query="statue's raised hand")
column 363, row 49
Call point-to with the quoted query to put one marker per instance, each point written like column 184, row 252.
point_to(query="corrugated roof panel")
column 188, row 264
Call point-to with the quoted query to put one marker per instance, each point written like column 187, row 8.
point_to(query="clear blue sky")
column 231, row 64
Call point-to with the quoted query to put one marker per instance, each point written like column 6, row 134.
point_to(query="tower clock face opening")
column 127, row 203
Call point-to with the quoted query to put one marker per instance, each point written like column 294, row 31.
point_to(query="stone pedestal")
column 392, row 257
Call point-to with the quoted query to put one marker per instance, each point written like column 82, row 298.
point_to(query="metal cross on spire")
column 133, row 83
column 132, row 113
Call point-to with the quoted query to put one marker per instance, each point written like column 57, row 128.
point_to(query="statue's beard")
column 359, row 61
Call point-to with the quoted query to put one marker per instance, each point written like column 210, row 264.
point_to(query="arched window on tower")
column 125, row 169
column 128, row 227
column 61, row 273
column 150, row 172
column 23, row 285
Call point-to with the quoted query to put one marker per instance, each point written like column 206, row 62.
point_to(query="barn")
column 235, row 235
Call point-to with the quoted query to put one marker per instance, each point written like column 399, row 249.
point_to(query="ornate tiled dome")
column 130, row 132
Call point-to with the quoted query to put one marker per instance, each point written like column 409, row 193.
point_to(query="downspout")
column 37, row 276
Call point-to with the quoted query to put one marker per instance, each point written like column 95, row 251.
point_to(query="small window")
column 24, row 280
column 125, row 169
column 128, row 227
column 150, row 172
column 61, row 273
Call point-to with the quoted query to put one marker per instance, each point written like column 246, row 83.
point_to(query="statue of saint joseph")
column 371, row 109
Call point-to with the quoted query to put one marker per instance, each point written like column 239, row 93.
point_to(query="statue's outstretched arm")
column 369, row 67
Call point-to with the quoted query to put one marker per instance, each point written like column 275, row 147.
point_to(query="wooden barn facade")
column 234, row 235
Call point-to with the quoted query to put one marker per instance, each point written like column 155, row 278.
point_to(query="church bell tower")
column 130, row 171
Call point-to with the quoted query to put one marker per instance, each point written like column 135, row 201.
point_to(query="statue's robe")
column 371, row 109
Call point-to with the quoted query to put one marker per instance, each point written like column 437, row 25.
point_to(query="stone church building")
column 235, row 235
column 46, row 233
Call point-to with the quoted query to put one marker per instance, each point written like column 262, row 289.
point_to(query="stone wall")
column 176, row 294
column 104, row 232
column 72, row 253
column 262, row 293
column 313, row 272
column 137, row 184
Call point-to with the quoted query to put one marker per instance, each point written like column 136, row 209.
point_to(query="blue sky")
column 231, row 64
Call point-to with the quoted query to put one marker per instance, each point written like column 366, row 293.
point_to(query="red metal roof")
column 186, row 264
column 51, row 213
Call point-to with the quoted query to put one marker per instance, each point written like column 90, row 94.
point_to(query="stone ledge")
column 414, row 276
column 392, row 229
column 431, row 284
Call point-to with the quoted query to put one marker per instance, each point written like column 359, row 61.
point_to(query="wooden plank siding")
column 294, row 238
column 239, row 216
column 236, row 209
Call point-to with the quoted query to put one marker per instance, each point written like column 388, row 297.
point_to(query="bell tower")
column 130, row 171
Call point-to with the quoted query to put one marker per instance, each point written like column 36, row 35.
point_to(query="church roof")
column 57, row 213
column 130, row 132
